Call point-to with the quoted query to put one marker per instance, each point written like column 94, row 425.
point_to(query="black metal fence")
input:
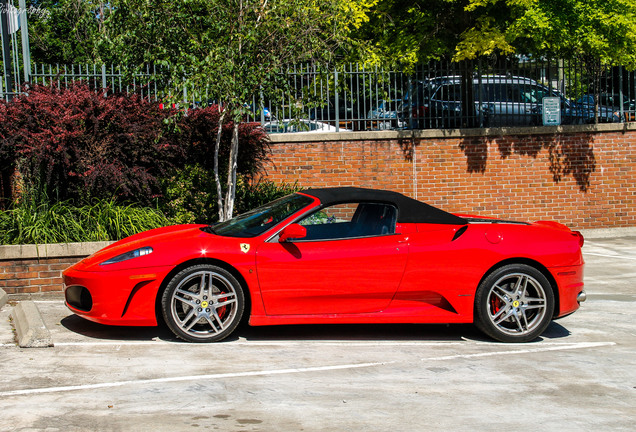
column 471, row 94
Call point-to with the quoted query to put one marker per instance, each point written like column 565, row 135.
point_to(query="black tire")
column 515, row 303
column 203, row 303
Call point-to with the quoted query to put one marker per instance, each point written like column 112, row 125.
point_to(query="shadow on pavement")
column 90, row 329
column 323, row 332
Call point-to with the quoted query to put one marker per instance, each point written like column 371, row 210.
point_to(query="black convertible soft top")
column 409, row 210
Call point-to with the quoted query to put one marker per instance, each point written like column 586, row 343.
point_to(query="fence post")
column 6, row 50
column 185, row 94
column 336, row 103
column 620, row 93
column 104, row 82
column 26, row 49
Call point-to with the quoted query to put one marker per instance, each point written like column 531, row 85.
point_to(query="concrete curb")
column 29, row 326
column 4, row 298
column 608, row 232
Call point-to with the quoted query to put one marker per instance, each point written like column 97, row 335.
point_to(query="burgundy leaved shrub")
column 74, row 143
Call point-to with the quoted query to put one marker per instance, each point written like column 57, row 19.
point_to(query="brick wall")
column 27, row 270
column 582, row 176
column 30, row 276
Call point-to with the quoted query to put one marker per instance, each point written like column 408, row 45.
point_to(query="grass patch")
column 62, row 222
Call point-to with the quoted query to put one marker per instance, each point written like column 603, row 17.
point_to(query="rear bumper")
column 571, row 290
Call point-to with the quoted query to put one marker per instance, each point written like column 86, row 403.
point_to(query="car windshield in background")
column 259, row 220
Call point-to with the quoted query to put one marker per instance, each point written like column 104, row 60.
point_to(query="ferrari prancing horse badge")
column 245, row 247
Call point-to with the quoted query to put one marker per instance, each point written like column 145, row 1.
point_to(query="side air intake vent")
column 459, row 232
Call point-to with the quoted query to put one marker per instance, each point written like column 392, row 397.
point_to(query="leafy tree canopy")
column 230, row 50
column 408, row 32
column 604, row 30
column 66, row 31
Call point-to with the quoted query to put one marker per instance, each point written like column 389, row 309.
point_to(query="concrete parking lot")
column 581, row 375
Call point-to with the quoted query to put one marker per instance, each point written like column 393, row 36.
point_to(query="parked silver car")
column 491, row 101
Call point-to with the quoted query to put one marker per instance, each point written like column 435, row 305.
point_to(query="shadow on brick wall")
column 568, row 155
column 407, row 145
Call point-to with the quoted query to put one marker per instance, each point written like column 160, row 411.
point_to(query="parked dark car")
column 612, row 101
column 497, row 101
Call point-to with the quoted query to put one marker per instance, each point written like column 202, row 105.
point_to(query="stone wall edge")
column 55, row 250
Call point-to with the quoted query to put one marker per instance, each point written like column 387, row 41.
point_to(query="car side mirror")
column 293, row 231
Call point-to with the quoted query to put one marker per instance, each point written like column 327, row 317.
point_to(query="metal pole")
column 6, row 50
column 620, row 93
column 336, row 102
column 104, row 81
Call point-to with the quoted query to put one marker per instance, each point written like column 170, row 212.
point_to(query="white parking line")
column 186, row 378
column 580, row 345
column 559, row 347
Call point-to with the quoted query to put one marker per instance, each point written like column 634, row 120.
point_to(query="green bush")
column 38, row 223
column 189, row 196
column 252, row 195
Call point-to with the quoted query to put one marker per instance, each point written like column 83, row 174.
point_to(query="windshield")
column 259, row 220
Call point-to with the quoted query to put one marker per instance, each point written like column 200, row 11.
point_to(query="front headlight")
column 129, row 255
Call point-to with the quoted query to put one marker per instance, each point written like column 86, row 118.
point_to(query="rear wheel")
column 203, row 303
column 514, row 304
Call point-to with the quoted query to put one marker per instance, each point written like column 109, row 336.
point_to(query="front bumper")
column 123, row 297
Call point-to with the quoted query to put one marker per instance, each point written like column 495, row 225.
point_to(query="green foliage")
column 602, row 31
column 231, row 49
column 249, row 196
column 34, row 219
column 407, row 32
column 190, row 195
column 31, row 222
column 67, row 31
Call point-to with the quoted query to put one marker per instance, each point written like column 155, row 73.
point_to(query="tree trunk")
column 230, row 193
column 217, row 146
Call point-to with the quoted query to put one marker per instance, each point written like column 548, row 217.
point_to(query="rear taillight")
column 420, row 111
column 580, row 236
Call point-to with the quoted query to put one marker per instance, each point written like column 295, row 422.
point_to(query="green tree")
column 599, row 30
column 408, row 32
column 232, row 50
column 65, row 31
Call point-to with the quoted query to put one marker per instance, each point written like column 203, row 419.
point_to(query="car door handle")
column 404, row 240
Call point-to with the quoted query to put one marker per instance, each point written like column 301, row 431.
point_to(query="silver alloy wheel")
column 517, row 304
column 204, row 304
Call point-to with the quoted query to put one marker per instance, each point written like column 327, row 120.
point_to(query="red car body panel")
column 424, row 273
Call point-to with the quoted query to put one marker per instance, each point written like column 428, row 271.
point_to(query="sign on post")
column 551, row 111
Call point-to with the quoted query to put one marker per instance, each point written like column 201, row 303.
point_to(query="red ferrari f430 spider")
column 336, row 255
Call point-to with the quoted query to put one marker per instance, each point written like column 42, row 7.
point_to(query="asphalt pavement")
column 580, row 376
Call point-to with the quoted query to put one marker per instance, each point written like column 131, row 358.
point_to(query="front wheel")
column 203, row 303
column 514, row 304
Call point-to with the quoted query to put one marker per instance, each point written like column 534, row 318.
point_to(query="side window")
column 513, row 93
column 350, row 220
column 449, row 93
column 495, row 93
column 534, row 94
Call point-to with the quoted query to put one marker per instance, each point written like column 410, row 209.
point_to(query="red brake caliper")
column 495, row 304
